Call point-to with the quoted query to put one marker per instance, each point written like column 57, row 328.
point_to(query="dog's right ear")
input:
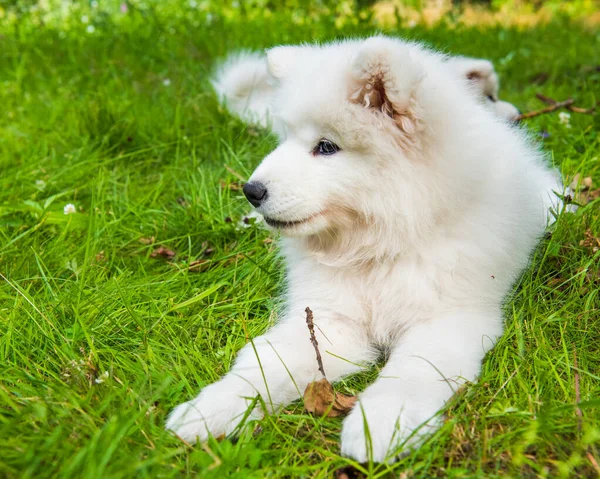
column 480, row 74
column 385, row 79
column 280, row 60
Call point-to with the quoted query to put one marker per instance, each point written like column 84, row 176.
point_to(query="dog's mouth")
column 279, row 224
column 283, row 224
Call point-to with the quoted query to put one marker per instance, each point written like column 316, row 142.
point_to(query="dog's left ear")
column 385, row 79
column 280, row 60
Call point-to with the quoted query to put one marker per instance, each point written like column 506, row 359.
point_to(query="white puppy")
column 242, row 81
column 407, row 210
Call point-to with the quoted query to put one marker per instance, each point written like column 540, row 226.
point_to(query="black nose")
column 256, row 192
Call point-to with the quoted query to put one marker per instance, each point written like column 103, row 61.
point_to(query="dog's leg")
column 277, row 366
column 428, row 365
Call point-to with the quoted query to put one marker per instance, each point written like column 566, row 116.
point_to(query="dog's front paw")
column 218, row 410
column 380, row 429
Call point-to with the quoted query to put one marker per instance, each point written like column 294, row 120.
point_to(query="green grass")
column 93, row 117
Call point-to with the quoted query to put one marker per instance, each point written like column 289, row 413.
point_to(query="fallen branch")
column 311, row 329
column 549, row 109
column 319, row 396
column 573, row 108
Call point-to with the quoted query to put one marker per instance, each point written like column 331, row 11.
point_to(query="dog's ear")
column 480, row 73
column 385, row 79
column 280, row 60
column 478, row 69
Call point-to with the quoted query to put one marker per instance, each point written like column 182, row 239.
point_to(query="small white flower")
column 40, row 184
column 69, row 209
column 90, row 29
column 250, row 219
column 85, row 19
column 103, row 377
column 94, row 4
column 193, row 4
column 564, row 119
column 166, row 82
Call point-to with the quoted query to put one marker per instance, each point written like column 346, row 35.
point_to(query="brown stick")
column 311, row 329
column 585, row 111
column 545, row 99
column 573, row 108
column 549, row 109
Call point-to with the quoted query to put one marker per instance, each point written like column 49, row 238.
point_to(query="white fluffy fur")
column 410, row 238
column 243, row 82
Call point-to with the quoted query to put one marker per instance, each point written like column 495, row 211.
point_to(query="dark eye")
column 491, row 98
column 325, row 147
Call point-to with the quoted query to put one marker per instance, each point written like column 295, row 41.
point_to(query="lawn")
column 112, row 315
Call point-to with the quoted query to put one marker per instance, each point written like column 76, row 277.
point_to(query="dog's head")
column 358, row 164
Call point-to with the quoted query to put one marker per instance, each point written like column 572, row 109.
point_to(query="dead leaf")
column 320, row 398
column 583, row 189
column 590, row 241
column 581, row 184
column 587, row 196
column 147, row 240
column 163, row 252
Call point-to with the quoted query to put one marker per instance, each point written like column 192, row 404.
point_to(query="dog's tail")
column 242, row 84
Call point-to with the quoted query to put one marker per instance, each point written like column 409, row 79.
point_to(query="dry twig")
column 573, row 108
column 319, row 396
column 311, row 329
column 548, row 109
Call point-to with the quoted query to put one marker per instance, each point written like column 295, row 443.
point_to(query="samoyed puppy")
column 244, row 84
column 407, row 211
